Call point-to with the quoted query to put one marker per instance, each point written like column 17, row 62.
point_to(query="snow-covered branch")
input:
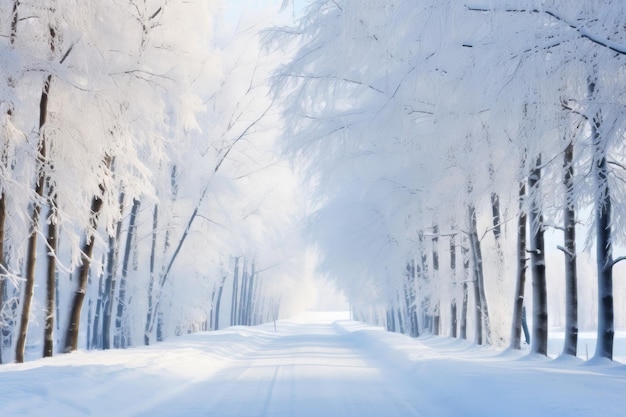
column 582, row 31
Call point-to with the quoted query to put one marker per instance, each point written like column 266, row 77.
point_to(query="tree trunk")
column 211, row 324
column 435, row 280
column 520, row 282
column 400, row 320
column 571, row 280
column 154, row 292
column 96, row 341
column 466, row 277
column 391, row 321
column 218, row 302
column 71, row 338
column 3, row 268
column 120, row 339
column 453, row 312
column 422, row 270
column 241, row 310
column 110, row 280
column 482, row 311
column 89, row 335
column 250, row 295
column 604, row 245
column 48, row 342
column 148, row 330
column 410, row 299
column 539, row 342
column 497, row 219
column 233, row 306
column 3, row 208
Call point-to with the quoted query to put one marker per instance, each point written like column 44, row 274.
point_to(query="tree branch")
column 621, row 258
column 584, row 33
column 155, row 14
column 66, row 54
column 241, row 136
column 490, row 229
column 565, row 251
column 330, row 77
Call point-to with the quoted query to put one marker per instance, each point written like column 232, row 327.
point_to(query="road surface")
column 313, row 366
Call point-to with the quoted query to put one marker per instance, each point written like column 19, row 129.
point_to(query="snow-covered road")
column 312, row 366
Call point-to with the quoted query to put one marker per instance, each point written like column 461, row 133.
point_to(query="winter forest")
column 449, row 167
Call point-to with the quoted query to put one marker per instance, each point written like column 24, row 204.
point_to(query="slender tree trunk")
column 407, row 305
column 148, row 330
column 391, row 321
column 71, row 338
column 48, row 342
column 233, row 306
column 478, row 322
column 259, row 302
column 159, row 331
column 422, row 270
column 155, row 290
column 120, row 339
column 409, row 297
column 495, row 212
column 413, row 295
column 3, row 208
column 250, row 295
column 539, row 342
column 3, row 263
column 466, row 278
column 3, row 269
column 497, row 220
column 453, row 312
column 482, row 311
column 520, row 282
column 571, row 280
column 435, row 279
column 96, row 341
column 212, row 312
column 111, row 280
column 241, row 311
column 400, row 320
column 89, row 335
column 218, row 302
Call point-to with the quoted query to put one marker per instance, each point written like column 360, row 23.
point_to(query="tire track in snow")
column 268, row 399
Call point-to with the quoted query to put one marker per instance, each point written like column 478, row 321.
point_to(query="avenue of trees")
column 464, row 166
column 457, row 151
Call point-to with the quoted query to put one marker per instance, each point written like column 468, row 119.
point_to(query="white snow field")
column 314, row 365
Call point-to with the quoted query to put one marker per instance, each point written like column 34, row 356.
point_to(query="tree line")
column 461, row 132
column 136, row 151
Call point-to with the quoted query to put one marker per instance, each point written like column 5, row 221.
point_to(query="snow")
column 318, row 364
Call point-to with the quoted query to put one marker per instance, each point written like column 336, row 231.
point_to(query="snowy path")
column 309, row 367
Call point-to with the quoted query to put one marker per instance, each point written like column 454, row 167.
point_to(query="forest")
column 167, row 168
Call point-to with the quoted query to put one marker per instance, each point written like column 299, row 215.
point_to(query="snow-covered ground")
column 314, row 365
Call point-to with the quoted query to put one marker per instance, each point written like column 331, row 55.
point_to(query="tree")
column 40, row 182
